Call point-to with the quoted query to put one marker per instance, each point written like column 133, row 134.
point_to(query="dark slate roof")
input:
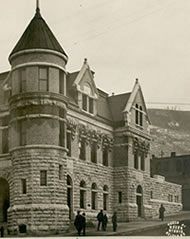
column 71, row 77
column 117, row 104
column 3, row 76
column 103, row 109
column 38, row 36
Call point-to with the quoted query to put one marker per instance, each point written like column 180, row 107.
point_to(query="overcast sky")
column 122, row 40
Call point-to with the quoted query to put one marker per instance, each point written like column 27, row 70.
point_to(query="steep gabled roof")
column 38, row 36
column 136, row 89
column 117, row 105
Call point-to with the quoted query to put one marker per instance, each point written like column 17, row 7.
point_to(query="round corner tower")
column 38, row 107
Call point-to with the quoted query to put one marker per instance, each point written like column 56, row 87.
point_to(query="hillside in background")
column 170, row 132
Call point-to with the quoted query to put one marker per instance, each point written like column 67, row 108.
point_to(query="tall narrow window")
column 137, row 114
column 43, row 79
column 142, row 161
column 84, row 102
column 22, row 80
column 69, row 195
column 60, row 172
column 82, row 147
column 94, row 152
column 22, row 132
column 69, row 143
column 94, row 196
column 120, row 197
column 105, row 156
column 91, row 105
column 82, row 194
column 105, row 197
column 5, row 143
column 61, row 133
column 43, row 178
column 136, row 159
column 23, row 185
column 61, row 82
column 141, row 116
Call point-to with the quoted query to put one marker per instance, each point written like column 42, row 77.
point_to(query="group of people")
column 80, row 222
column 103, row 220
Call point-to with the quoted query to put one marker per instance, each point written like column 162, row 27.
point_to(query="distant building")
column 176, row 169
column 66, row 145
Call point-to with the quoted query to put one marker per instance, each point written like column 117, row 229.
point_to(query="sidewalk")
column 128, row 228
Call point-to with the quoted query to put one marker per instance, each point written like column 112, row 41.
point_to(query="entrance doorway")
column 4, row 199
column 69, row 195
column 139, row 200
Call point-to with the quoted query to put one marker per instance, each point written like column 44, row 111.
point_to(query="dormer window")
column 84, row 102
column 138, row 115
column 87, row 99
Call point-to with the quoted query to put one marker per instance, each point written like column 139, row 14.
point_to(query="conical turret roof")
column 38, row 36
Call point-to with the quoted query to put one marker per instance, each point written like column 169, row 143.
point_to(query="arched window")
column 82, row 194
column 94, row 194
column 141, row 115
column 105, row 197
column 139, row 190
column 137, row 114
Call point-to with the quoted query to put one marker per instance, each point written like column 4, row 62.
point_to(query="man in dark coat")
column 104, row 222
column 79, row 222
column 2, row 231
column 100, row 219
column 161, row 212
column 114, row 221
column 84, row 223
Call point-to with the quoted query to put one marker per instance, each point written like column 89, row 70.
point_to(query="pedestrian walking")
column 2, row 231
column 161, row 212
column 84, row 223
column 100, row 219
column 114, row 221
column 104, row 222
column 79, row 222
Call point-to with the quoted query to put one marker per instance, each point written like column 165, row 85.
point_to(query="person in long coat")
column 84, row 223
column 2, row 231
column 100, row 219
column 104, row 222
column 114, row 221
column 79, row 222
column 161, row 212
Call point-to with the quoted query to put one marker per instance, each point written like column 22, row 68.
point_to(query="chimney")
column 113, row 94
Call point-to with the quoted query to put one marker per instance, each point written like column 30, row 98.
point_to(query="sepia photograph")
column 94, row 118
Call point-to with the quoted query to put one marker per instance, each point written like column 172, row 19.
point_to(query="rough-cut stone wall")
column 91, row 173
column 160, row 195
column 43, row 208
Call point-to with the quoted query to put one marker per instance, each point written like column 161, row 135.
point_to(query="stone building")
column 175, row 168
column 67, row 145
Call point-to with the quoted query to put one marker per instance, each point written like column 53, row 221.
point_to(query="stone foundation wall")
column 165, row 193
column 90, row 173
column 42, row 208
